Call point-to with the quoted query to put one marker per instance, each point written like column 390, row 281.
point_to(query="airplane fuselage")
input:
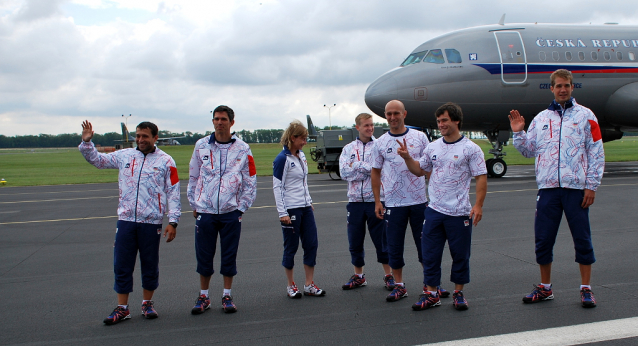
column 490, row 70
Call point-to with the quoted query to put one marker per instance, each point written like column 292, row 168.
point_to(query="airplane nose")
column 380, row 92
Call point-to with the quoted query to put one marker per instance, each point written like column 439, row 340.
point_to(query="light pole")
column 126, row 123
column 329, row 119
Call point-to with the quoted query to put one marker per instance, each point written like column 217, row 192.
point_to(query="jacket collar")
column 555, row 106
column 212, row 139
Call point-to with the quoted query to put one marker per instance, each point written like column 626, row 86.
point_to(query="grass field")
column 53, row 166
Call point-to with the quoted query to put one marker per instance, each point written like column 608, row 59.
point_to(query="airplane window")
column 434, row 56
column 607, row 56
column 414, row 58
column 619, row 55
column 632, row 56
column 453, row 56
column 594, row 56
column 542, row 56
column 581, row 56
column 555, row 56
column 568, row 56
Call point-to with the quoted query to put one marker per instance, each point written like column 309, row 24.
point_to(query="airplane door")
column 513, row 58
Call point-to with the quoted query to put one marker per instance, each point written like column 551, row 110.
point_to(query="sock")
column 124, row 306
column 144, row 301
column 226, row 292
column 585, row 286
column 359, row 275
column 400, row 284
column 546, row 286
column 434, row 293
column 204, row 292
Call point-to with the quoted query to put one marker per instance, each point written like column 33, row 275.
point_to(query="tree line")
column 111, row 138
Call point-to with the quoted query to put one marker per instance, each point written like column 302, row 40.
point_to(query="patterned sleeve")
column 173, row 192
column 595, row 154
column 525, row 142
column 97, row 159
column 377, row 157
column 278, row 167
column 425, row 162
column 248, row 182
column 193, row 176
column 476, row 160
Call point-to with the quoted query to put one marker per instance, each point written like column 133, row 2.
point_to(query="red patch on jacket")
column 595, row 130
column 174, row 177
column 251, row 166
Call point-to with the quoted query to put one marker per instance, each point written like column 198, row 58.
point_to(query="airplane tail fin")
column 126, row 136
column 312, row 131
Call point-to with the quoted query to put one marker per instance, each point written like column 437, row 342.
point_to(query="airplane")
column 492, row 69
column 127, row 137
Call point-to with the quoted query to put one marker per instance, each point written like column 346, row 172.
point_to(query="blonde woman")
column 290, row 186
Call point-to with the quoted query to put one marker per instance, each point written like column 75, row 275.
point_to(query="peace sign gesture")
column 403, row 150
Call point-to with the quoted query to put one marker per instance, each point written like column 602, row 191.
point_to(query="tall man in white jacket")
column 221, row 187
column 355, row 165
column 149, row 187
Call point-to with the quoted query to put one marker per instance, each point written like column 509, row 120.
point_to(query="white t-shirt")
column 452, row 165
column 401, row 188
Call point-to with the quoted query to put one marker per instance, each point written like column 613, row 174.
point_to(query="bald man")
column 405, row 193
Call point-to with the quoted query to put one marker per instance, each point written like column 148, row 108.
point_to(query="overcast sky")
column 172, row 62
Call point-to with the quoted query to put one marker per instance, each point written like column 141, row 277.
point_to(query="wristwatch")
column 174, row 224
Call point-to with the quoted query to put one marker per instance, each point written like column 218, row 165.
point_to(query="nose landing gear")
column 496, row 167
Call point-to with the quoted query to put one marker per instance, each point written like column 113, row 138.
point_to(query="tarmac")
column 56, row 273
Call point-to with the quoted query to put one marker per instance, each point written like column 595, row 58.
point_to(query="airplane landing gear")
column 496, row 167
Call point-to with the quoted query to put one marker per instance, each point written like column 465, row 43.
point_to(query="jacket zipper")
column 560, row 134
column 139, row 177
column 364, row 158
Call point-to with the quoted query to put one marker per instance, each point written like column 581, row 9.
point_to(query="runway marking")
column 56, row 200
column 570, row 335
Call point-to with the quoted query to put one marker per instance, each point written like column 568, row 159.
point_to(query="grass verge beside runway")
column 54, row 166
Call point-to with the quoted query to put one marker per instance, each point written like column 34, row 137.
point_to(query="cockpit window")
column 453, row 56
column 414, row 58
column 434, row 56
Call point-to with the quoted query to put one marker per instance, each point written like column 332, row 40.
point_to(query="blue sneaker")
column 459, row 301
column 118, row 315
column 587, row 298
column 426, row 301
column 443, row 293
column 389, row 282
column 201, row 305
column 148, row 310
column 397, row 293
column 228, row 305
column 539, row 294
column 355, row 282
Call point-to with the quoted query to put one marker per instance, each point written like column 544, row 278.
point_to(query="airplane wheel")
column 487, row 165
column 496, row 168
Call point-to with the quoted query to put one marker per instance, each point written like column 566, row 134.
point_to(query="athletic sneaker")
column 228, row 305
column 355, row 282
column 389, row 282
column 443, row 293
column 539, row 294
column 201, row 305
column 118, row 315
column 397, row 293
column 426, row 301
column 587, row 298
column 293, row 292
column 313, row 290
column 148, row 310
column 459, row 301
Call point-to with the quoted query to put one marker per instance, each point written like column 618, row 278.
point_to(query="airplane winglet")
column 502, row 21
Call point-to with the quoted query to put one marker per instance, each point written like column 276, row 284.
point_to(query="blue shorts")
column 550, row 205
column 457, row 230
column 302, row 227
column 360, row 213
column 131, row 237
column 207, row 227
column 396, row 219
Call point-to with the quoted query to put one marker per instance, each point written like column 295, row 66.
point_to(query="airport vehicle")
column 490, row 70
column 128, row 140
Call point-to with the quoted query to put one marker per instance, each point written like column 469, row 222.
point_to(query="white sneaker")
column 293, row 292
column 313, row 290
